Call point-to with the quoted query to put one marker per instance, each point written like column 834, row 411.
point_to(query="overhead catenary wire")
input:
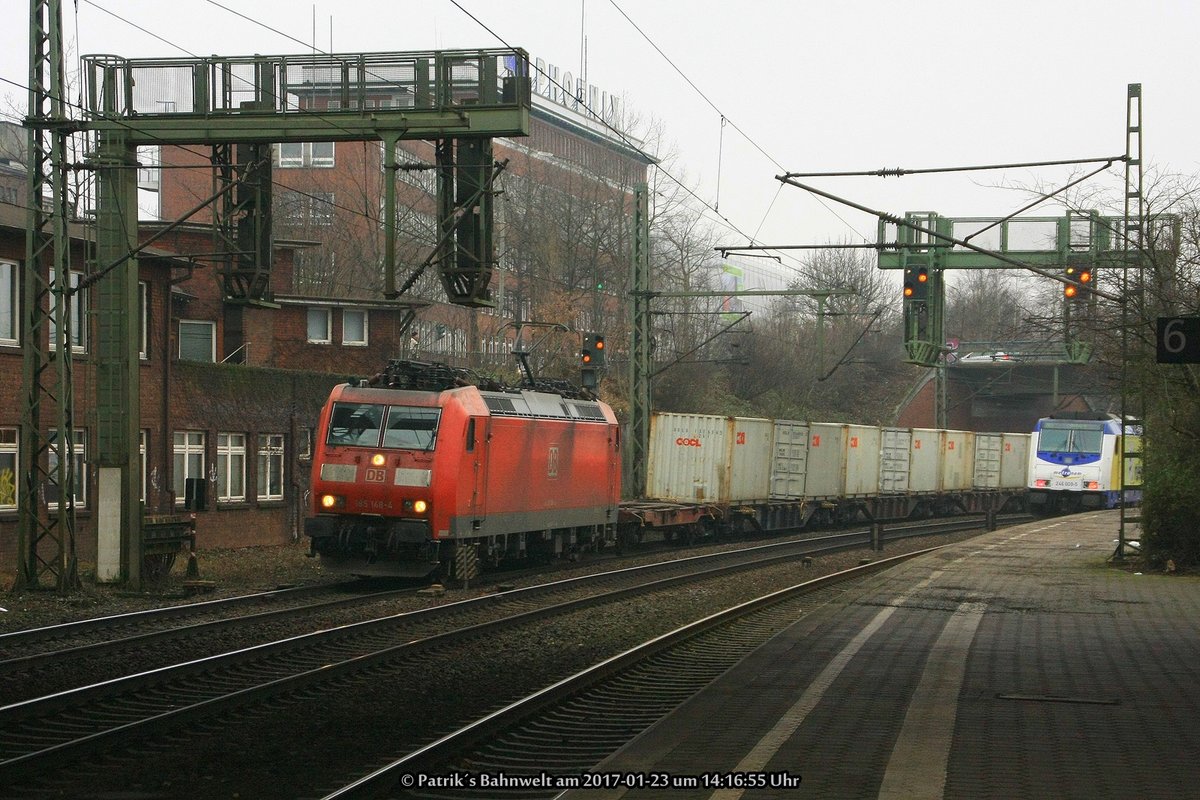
column 724, row 118
column 724, row 220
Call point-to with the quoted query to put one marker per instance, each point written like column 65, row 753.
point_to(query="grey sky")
column 813, row 86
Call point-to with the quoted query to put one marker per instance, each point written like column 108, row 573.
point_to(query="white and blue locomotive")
column 1078, row 461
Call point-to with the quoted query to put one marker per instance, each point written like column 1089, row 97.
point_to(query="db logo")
column 682, row 442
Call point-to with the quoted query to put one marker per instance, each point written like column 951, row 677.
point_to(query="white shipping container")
column 749, row 459
column 958, row 461
column 862, row 460
column 925, row 461
column 989, row 449
column 1014, row 461
column 894, row 459
column 688, row 458
column 789, row 463
column 826, row 460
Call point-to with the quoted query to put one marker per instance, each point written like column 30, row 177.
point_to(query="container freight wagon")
column 1001, row 460
column 731, row 473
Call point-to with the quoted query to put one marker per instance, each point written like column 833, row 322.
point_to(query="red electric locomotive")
column 408, row 470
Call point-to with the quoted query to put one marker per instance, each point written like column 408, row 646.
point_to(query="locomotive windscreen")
column 411, row 428
column 1071, row 437
column 363, row 425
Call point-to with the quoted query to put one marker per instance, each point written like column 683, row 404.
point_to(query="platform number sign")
column 1178, row 340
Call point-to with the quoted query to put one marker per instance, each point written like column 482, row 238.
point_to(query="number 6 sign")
column 1178, row 340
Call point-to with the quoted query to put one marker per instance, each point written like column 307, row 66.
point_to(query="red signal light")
column 922, row 276
column 908, row 290
column 1070, row 290
column 1084, row 276
column 587, row 358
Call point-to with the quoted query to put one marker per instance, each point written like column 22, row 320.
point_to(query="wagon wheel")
column 629, row 537
column 157, row 566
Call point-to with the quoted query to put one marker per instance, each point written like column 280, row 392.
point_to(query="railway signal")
column 1079, row 283
column 591, row 359
column 916, row 284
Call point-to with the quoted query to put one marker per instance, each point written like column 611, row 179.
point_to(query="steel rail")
column 427, row 759
column 164, row 709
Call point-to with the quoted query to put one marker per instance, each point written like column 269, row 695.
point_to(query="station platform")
column 1017, row 664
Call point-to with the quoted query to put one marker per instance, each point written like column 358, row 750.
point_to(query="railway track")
column 566, row 729
column 51, row 655
column 42, row 734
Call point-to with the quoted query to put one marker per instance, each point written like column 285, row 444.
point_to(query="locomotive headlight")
column 332, row 501
column 378, row 460
column 420, row 506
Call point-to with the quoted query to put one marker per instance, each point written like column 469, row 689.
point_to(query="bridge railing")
column 338, row 84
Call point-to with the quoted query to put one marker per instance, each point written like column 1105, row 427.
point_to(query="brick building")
column 240, row 419
column 230, row 392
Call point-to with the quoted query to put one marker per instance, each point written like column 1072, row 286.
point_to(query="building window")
column 319, row 326
column 143, row 320
column 291, row 155
column 321, row 208
column 78, row 480
column 8, row 469
column 231, row 467
column 197, row 340
column 354, row 327
column 305, row 208
column 270, row 466
column 188, row 461
column 143, row 435
column 9, row 312
column 321, row 154
column 77, row 311
column 304, row 443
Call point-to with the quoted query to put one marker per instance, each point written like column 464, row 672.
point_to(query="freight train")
column 422, row 466
column 1084, row 461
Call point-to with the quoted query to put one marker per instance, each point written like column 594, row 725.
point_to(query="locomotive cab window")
column 355, row 424
column 411, row 428
column 1070, row 439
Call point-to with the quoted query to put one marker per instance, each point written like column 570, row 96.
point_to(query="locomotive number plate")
column 1066, row 483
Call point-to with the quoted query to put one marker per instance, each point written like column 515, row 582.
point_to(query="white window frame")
column 293, row 157
column 10, row 306
column 212, row 339
column 143, row 437
column 144, row 322
column 77, row 309
column 321, row 154
column 328, row 336
column 185, row 446
column 298, row 155
column 270, row 464
column 320, row 208
column 81, row 475
column 10, row 449
column 231, row 467
column 360, row 342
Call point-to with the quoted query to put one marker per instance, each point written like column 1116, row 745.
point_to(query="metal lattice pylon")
column 45, row 539
column 1133, row 242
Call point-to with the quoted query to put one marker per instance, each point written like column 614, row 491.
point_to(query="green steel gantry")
column 240, row 106
column 931, row 242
